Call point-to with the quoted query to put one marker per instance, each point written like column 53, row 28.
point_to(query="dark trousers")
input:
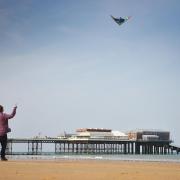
column 3, row 140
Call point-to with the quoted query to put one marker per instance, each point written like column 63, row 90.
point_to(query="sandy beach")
column 88, row 170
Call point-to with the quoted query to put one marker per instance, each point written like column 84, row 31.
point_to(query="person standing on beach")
column 4, row 129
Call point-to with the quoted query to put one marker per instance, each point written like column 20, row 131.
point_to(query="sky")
column 68, row 65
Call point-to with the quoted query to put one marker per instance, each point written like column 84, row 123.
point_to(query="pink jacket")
column 4, row 121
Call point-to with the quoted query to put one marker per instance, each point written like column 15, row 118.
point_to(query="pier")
column 100, row 141
column 61, row 146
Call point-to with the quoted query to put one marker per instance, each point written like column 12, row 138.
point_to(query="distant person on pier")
column 4, row 129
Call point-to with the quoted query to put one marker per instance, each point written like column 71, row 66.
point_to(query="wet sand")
column 88, row 170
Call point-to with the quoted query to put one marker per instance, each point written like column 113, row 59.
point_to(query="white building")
column 99, row 134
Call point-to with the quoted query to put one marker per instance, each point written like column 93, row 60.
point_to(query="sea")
column 116, row 157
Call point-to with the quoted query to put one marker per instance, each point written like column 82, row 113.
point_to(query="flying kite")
column 121, row 20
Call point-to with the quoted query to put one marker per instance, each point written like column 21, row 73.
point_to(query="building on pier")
column 149, row 135
column 99, row 134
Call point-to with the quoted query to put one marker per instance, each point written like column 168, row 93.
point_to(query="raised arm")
column 9, row 116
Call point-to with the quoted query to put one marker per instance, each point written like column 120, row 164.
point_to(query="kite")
column 120, row 20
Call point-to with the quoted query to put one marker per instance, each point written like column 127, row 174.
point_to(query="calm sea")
column 121, row 157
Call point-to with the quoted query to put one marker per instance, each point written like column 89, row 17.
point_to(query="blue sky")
column 68, row 65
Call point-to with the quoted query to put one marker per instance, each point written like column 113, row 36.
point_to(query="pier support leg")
column 34, row 147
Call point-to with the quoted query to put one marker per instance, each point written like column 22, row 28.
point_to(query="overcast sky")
column 68, row 65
